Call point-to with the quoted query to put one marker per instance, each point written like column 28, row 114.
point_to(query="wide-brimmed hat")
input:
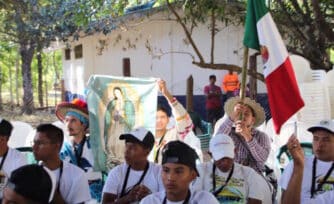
column 256, row 107
column 78, row 106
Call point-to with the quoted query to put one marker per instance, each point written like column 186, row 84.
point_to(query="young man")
column 72, row 184
column 78, row 150
column 318, row 171
column 213, row 103
column 178, row 171
column 137, row 177
column 229, row 181
column 10, row 159
column 30, row 184
column 240, row 122
column 182, row 130
column 230, row 83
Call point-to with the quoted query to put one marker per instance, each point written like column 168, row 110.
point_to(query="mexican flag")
column 261, row 34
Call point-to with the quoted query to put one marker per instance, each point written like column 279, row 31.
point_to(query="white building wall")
column 163, row 36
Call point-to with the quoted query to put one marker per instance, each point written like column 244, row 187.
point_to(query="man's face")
column 11, row 197
column 323, row 145
column 74, row 126
column 162, row 120
column 134, row 153
column 43, row 148
column 248, row 117
column 224, row 164
column 3, row 140
column 176, row 178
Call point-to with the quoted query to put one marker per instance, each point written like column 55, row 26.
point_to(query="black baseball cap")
column 5, row 128
column 180, row 153
column 141, row 136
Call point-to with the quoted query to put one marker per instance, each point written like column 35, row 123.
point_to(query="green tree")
column 308, row 26
column 34, row 24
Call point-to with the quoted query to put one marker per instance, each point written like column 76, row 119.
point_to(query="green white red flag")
column 262, row 34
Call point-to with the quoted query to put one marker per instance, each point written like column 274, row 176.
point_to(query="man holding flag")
column 261, row 34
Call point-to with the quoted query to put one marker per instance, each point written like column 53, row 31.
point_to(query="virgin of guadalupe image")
column 119, row 118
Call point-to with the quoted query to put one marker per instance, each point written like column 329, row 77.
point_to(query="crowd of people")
column 166, row 166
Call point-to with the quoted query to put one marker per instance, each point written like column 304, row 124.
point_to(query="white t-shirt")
column 327, row 197
column 73, row 184
column 196, row 197
column 116, row 177
column 321, row 170
column 14, row 160
column 244, row 183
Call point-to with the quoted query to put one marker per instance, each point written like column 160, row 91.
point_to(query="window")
column 78, row 51
column 67, row 54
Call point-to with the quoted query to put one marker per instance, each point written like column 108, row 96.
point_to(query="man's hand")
column 163, row 89
column 139, row 192
column 237, row 111
column 296, row 151
column 243, row 130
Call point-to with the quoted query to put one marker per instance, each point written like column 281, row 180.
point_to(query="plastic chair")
column 27, row 151
column 284, row 153
column 21, row 131
column 204, row 138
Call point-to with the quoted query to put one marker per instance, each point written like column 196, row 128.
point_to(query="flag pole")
column 244, row 74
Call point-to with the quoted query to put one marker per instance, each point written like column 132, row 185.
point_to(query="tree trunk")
column 27, row 53
column 17, row 68
column 40, row 76
column 11, row 87
column 1, row 88
column 190, row 93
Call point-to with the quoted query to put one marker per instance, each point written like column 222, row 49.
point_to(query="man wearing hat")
column 178, row 171
column 318, row 171
column 240, row 122
column 136, row 177
column 229, row 181
column 10, row 159
column 78, row 150
column 30, row 184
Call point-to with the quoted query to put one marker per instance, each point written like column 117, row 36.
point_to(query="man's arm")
column 293, row 192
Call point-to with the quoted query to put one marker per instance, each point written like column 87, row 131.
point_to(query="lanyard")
column 216, row 192
column 321, row 183
column 158, row 150
column 3, row 159
column 78, row 152
column 123, row 193
column 186, row 201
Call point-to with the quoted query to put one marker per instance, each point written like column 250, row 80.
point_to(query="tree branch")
column 321, row 23
column 191, row 41
column 213, row 28
column 229, row 67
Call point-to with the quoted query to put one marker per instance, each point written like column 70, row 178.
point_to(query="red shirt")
column 213, row 97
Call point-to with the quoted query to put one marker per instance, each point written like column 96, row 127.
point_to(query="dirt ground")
column 40, row 116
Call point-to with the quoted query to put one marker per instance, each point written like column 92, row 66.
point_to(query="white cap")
column 324, row 125
column 221, row 146
column 139, row 135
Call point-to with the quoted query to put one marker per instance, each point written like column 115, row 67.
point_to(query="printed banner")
column 116, row 105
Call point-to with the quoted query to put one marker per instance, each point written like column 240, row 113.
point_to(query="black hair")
column 5, row 128
column 164, row 109
column 212, row 77
column 32, row 182
column 52, row 132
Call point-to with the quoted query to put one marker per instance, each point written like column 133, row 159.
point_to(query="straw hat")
column 257, row 108
column 77, row 105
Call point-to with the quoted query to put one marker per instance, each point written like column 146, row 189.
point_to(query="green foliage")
column 308, row 26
